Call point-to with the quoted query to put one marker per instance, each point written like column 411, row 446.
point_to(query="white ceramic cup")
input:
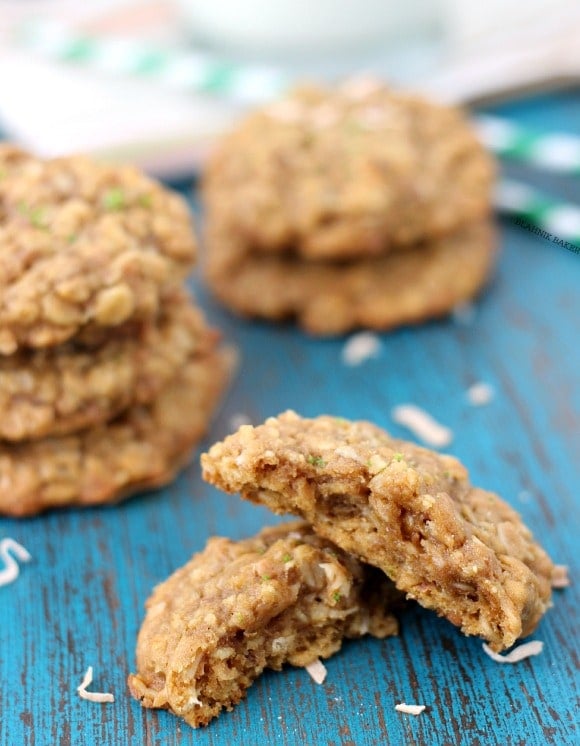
column 302, row 26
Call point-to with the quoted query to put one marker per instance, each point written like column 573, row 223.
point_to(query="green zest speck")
column 316, row 461
column 336, row 596
column 398, row 456
column 145, row 201
column 266, row 577
column 114, row 199
column 287, row 558
column 35, row 215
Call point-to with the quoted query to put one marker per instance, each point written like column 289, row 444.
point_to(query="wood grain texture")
column 80, row 601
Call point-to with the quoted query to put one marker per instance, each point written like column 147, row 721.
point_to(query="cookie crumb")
column 11, row 570
column 92, row 696
column 480, row 393
column 410, row 709
column 317, row 670
column 360, row 347
column 560, row 578
column 422, row 425
column 520, row 653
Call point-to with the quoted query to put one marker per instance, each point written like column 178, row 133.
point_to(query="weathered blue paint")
column 81, row 601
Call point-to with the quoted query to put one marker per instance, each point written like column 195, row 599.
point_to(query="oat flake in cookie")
column 455, row 548
column 236, row 608
column 83, row 245
column 348, row 173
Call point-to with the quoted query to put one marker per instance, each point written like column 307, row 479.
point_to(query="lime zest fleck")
column 114, row 199
column 287, row 557
column 145, row 200
column 72, row 237
column 35, row 215
column 398, row 456
column 316, row 461
column 336, row 596
column 266, row 577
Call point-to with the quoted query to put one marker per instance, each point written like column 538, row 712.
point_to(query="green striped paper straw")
column 554, row 219
column 182, row 70
column 553, row 151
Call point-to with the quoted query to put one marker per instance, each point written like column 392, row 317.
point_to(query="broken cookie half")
column 286, row 595
column 455, row 548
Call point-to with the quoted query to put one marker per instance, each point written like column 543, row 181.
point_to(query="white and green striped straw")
column 552, row 151
column 183, row 70
column 552, row 219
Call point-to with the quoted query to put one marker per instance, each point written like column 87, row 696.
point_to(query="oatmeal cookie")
column 332, row 298
column 348, row 173
column 454, row 548
column 83, row 244
column 142, row 449
column 73, row 386
column 283, row 596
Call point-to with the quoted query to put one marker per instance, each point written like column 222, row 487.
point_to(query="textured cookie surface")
column 143, row 448
column 455, row 548
column 331, row 298
column 352, row 172
column 283, row 596
column 83, row 244
column 66, row 388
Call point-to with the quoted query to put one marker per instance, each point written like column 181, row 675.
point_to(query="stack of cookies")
column 108, row 373
column 345, row 208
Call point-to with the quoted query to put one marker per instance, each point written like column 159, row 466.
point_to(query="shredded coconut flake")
column 92, row 696
column 360, row 87
column 348, row 452
column 324, row 116
column 560, row 577
column 422, row 425
column 520, row 653
column 11, row 570
column 480, row 393
column 463, row 314
column 238, row 420
column 410, row 709
column 360, row 347
column 287, row 111
column 317, row 670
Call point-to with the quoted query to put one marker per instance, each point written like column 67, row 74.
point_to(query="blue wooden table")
column 80, row 602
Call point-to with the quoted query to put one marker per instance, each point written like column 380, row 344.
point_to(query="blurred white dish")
column 302, row 26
